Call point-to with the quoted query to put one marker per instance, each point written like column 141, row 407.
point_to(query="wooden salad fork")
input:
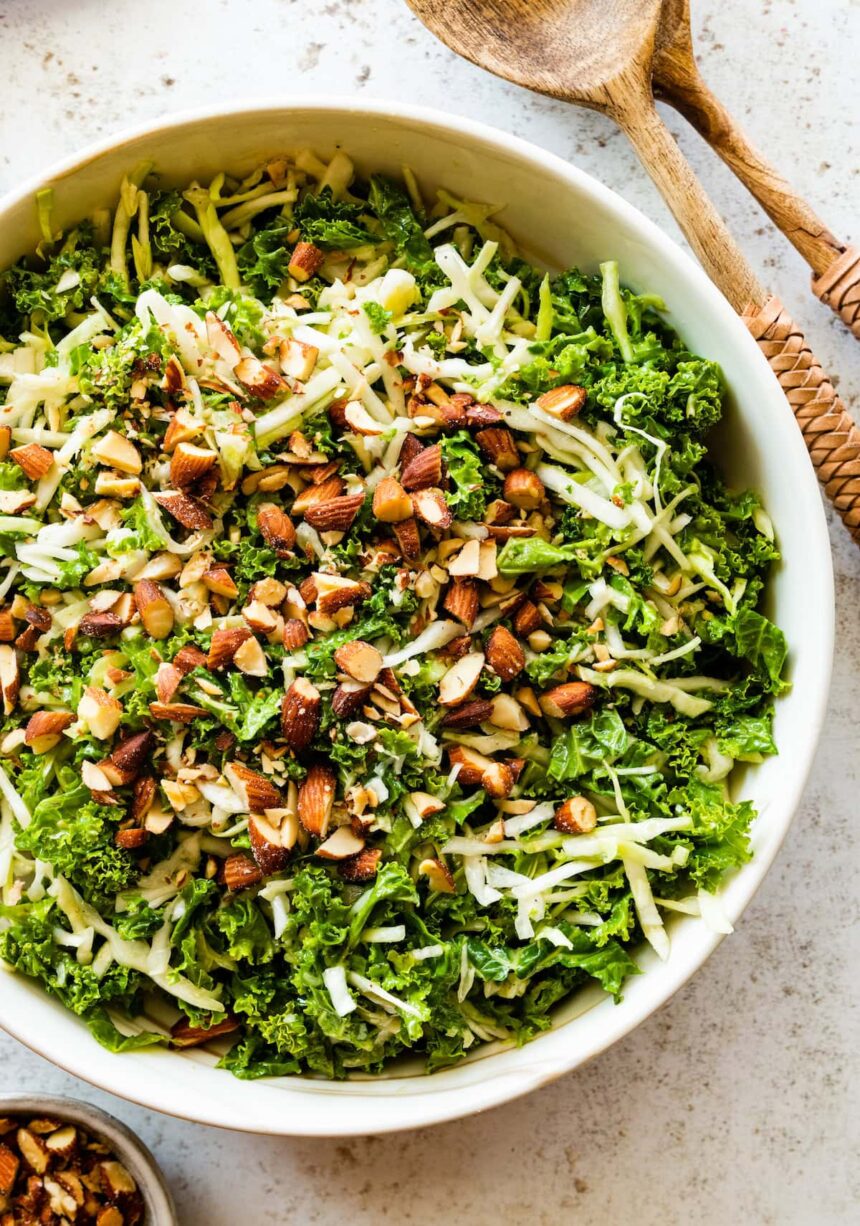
column 598, row 54
column 677, row 80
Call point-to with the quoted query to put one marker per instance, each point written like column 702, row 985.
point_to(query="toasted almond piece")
column 563, row 402
column 220, row 581
column 100, row 712
column 33, row 460
column 45, row 729
column 527, row 619
column 177, row 712
column 251, row 660
column 224, row 644
column 240, row 872
column 156, row 612
column 260, row 380
column 357, row 418
column 507, row 713
column 276, row 528
column 296, row 634
column 438, row 876
column 297, row 359
column 576, row 816
column 431, row 507
column 305, row 261
column 33, row 1150
column 316, row 797
column 468, row 714
column 499, row 446
column 271, row 845
column 116, row 451
column 124, row 764
column 340, row 845
column 300, row 714
column 571, row 699
column 423, row 471
column 408, row 538
column 182, row 428
column 524, row 489
column 471, row 764
column 361, row 660
column 10, row 677
column 504, row 654
column 461, row 678
column 189, row 463
column 189, row 657
column 270, row 592
column 497, row 780
column 335, row 515
column 461, row 601
column 253, row 789
column 186, row 510
column 15, row 502
column 348, row 698
column 183, row 1034
column 9, row 1164
column 317, row 492
column 391, row 503
column 361, row 867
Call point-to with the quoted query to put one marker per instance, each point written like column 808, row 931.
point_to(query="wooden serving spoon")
column 598, row 53
column 677, row 80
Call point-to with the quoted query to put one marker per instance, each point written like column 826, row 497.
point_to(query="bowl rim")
column 130, row 1077
column 127, row 1145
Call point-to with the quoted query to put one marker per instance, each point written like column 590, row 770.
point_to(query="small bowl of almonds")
column 67, row 1163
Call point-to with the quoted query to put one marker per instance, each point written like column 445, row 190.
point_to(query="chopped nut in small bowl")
column 63, row 1160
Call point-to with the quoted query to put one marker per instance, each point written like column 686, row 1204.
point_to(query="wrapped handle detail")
column 831, row 434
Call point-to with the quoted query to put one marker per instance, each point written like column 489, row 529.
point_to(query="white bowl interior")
column 562, row 217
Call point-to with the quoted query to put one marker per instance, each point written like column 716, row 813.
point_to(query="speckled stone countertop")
column 736, row 1103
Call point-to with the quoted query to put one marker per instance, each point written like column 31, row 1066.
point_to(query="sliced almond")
column 461, row 678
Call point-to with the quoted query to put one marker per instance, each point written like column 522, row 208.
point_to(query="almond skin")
column 224, row 644
column 335, row 515
column 183, row 1034
column 461, row 601
column 45, row 728
column 408, row 538
column 504, row 654
column 524, row 489
column 563, row 402
column 391, row 503
column 300, row 714
column 155, row 610
column 424, row 470
column 497, row 444
column 316, row 797
column 33, row 459
column 571, row 699
column 576, row 816
column 240, row 872
column 318, row 492
column 185, row 510
column 276, row 528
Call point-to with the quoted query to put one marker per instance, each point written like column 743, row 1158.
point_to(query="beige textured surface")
column 736, row 1103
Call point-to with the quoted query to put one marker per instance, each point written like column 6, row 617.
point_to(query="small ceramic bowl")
column 129, row 1149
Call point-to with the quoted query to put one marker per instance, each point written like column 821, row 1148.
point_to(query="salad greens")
column 377, row 640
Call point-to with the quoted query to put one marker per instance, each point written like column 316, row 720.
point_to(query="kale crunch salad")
column 377, row 640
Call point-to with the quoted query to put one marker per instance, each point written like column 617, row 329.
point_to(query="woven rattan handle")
column 831, row 435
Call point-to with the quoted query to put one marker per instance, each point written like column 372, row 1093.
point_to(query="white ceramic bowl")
column 563, row 216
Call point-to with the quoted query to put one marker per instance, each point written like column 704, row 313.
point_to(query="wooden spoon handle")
column 830, row 434
column 835, row 267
